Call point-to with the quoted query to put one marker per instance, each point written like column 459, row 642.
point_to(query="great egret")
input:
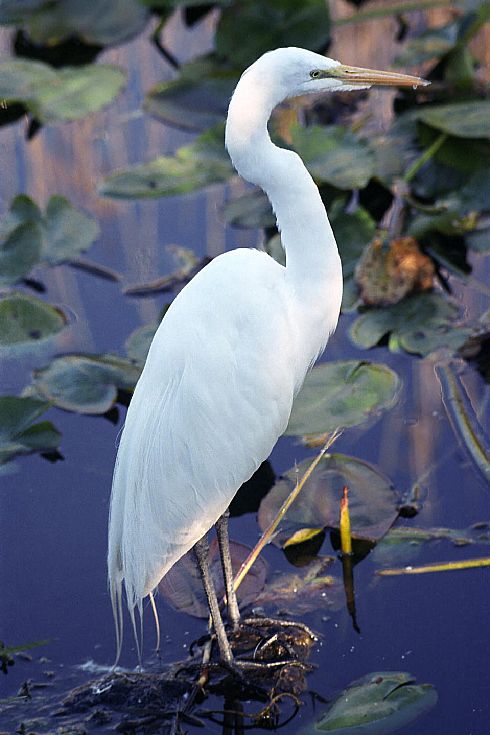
column 231, row 353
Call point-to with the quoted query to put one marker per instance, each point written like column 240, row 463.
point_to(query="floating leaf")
column 84, row 383
column 353, row 231
column 372, row 501
column 193, row 167
column 27, row 236
column 377, row 704
column 303, row 591
column 407, row 542
column 66, row 231
column 25, row 319
column 421, row 324
column 183, row 589
column 138, row 343
column 247, row 29
column 197, row 99
column 334, row 155
column 59, row 95
column 19, row 252
column 48, row 23
column 19, row 434
column 251, row 210
column 340, row 394
column 461, row 119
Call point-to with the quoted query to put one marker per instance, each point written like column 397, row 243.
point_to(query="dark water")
column 53, row 517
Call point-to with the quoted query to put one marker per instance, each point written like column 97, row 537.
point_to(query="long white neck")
column 312, row 257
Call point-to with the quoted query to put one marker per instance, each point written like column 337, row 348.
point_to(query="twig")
column 449, row 566
column 269, row 532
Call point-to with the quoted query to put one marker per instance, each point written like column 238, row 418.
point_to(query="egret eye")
column 315, row 74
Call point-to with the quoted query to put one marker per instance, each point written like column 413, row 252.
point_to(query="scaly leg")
column 201, row 552
column 224, row 550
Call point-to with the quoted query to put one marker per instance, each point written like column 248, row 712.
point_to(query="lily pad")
column 19, row 252
column 84, row 383
column 372, row 500
column 421, row 324
column 193, row 167
column 26, row 319
column 197, row 99
column 461, row 119
column 379, row 703
column 19, row 432
column 353, row 231
column 183, row 589
column 28, row 237
column 247, row 29
column 334, row 155
column 138, row 343
column 59, row 95
column 251, row 210
column 112, row 22
column 306, row 590
column 340, row 394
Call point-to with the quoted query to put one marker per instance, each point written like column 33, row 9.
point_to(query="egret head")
column 294, row 71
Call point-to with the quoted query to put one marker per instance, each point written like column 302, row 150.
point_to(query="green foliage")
column 53, row 96
column 341, row 394
column 334, row 155
column 196, row 165
column 376, row 704
column 251, row 210
column 19, row 431
column 29, row 237
column 372, row 502
column 84, row 383
column 197, row 99
column 26, row 320
column 104, row 24
column 247, row 29
column 422, row 323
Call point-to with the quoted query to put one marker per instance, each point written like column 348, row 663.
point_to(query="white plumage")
column 232, row 350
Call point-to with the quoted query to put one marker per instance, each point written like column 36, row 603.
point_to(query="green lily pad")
column 197, row 100
column 138, row 343
column 26, row 320
column 353, row 231
column 420, row 324
column 183, row 589
column 372, row 501
column 84, row 383
column 377, row 704
column 251, row 210
column 67, row 231
column 340, row 394
column 461, row 119
column 193, row 167
column 19, row 252
column 112, row 22
column 334, row 155
column 28, row 237
column 247, row 29
column 19, row 432
column 59, row 95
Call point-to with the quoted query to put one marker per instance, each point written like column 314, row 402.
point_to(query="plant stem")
column 448, row 566
column 426, row 156
column 269, row 532
column 344, row 524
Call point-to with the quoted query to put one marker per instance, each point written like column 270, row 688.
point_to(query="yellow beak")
column 356, row 75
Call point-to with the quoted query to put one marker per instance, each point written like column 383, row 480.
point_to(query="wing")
column 215, row 394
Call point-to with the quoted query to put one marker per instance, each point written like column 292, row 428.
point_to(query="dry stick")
column 268, row 533
column 449, row 566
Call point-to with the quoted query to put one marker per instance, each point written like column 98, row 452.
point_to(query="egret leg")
column 224, row 550
column 201, row 552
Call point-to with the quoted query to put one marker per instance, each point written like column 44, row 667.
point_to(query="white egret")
column 231, row 353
